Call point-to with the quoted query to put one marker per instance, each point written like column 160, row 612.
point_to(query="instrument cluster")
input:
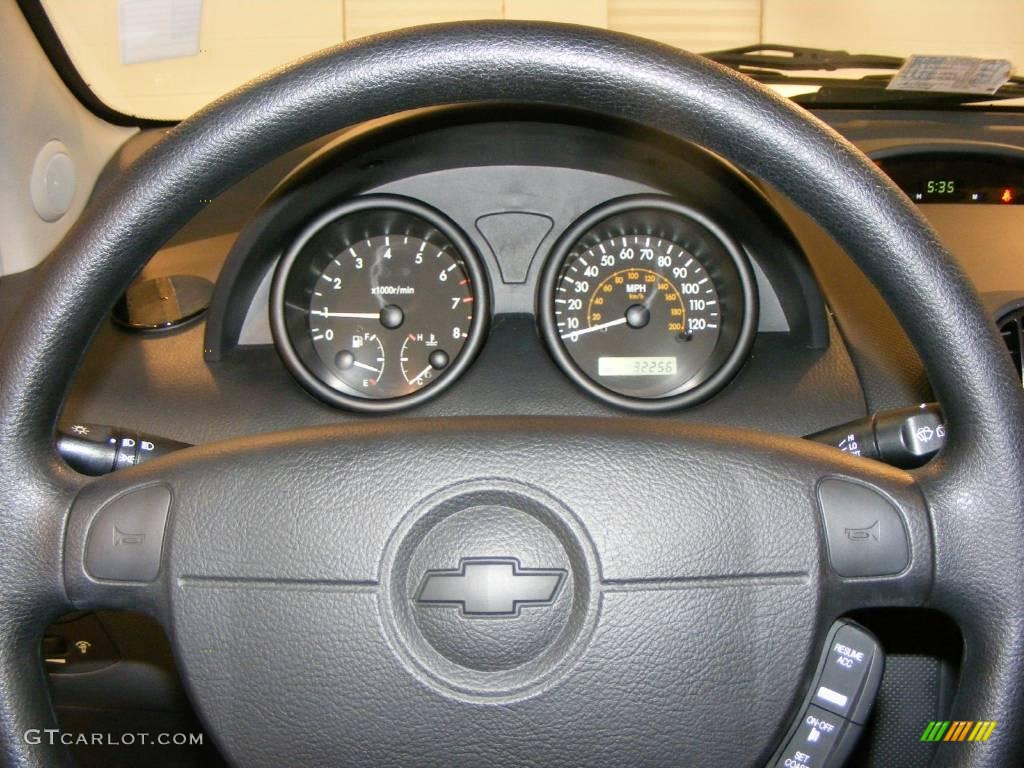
column 382, row 303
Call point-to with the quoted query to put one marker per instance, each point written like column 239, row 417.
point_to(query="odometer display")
column 647, row 304
column 636, row 366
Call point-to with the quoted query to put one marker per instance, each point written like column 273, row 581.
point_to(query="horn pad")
column 488, row 589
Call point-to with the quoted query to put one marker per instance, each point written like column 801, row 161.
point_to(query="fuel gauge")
column 359, row 362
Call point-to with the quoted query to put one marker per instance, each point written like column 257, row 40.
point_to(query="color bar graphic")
column 958, row 730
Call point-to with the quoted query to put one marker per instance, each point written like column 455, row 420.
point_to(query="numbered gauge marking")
column 376, row 305
column 647, row 304
column 375, row 291
column 632, row 299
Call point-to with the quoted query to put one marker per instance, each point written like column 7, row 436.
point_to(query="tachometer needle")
column 364, row 366
column 353, row 315
column 573, row 335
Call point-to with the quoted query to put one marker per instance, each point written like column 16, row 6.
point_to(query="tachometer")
column 379, row 304
column 648, row 305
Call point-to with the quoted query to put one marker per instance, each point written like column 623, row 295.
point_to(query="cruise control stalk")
column 905, row 438
column 96, row 449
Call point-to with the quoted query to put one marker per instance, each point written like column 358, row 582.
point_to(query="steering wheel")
column 682, row 612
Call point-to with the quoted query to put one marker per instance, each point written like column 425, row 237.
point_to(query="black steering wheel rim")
column 974, row 489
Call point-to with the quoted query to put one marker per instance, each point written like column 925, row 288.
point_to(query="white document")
column 951, row 74
column 152, row 30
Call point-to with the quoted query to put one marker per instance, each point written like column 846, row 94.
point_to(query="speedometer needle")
column 353, row 315
column 573, row 335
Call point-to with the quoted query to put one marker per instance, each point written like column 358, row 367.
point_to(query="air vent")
column 1011, row 326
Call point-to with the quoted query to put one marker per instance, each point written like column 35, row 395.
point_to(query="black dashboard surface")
column 179, row 386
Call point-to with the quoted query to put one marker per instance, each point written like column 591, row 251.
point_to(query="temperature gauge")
column 423, row 358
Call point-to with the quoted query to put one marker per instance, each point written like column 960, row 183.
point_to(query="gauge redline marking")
column 384, row 273
column 357, row 282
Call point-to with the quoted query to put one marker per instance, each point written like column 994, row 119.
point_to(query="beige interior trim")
column 39, row 109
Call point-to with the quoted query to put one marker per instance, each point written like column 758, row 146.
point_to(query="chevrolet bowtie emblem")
column 490, row 587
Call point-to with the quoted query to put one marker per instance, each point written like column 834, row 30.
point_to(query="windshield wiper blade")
column 795, row 58
column 871, row 91
column 769, row 64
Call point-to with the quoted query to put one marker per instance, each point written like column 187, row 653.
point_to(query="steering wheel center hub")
column 488, row 589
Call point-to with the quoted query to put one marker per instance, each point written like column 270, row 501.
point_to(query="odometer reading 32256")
column 637, row 306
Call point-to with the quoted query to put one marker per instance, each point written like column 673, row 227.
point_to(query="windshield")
column 164, row 59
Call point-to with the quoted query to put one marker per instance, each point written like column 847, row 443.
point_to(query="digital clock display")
column 940, row 187
column 967, row 178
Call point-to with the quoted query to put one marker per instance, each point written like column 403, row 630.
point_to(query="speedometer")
column 647, row 304
column 379, row 304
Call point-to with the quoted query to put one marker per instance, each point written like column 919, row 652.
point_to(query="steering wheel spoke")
column 115, row 551
column 978, row 576
column 876, row 531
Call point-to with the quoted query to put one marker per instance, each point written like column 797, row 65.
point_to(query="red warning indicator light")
column 1007, row 196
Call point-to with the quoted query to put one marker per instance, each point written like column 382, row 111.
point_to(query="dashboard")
column 515, row 192
column 492, row 261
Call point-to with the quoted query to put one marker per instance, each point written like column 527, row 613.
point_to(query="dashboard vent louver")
column 1011, row 326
